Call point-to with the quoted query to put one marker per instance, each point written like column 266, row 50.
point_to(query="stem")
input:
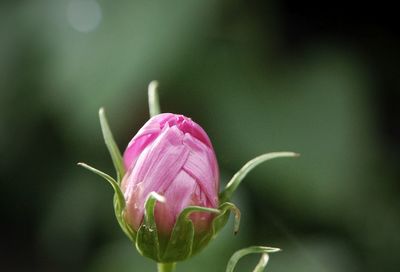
column 166, row 267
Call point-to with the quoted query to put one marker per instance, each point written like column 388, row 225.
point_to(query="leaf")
column 242, row 173
column 182, row 241
column 154, row 104
column 147, row 236
column 250, row 250
column 111, row 146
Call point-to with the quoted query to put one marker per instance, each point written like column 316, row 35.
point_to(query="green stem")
column 166, row 267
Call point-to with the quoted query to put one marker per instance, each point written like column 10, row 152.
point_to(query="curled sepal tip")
column 183, row 243
column 111, row 145
column 147, row 242
column 119, row 200
column 232, row 185
column 220, row 220
column 154, row 104
column 251, row 250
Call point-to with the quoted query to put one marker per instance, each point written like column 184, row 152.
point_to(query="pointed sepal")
column 147, row 242
column 251, row 250
column 119, row 200
column 231, row 187
column 154, row 104
column 112, row 147
column 262, row 263
column 109, row 179
column 182, row 243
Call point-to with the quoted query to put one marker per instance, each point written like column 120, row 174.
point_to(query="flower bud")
column 172, row 156
column 166, row 193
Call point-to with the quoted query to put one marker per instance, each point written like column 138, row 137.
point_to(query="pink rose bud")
column 172, row 156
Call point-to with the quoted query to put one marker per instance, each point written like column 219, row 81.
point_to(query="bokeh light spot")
column 84, row 15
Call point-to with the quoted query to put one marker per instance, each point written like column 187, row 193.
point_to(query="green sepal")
column 111, row 146
column 262, row 263
column 119, row 200
column 220, row 220
column 232, row 185
column 250, row 250
column 200, row 240
column 147, row 242
column 182, row 243
column 154, row 104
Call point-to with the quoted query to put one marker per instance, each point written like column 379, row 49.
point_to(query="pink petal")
column 178, row 196
column 202, row 166
column 136, row 146
column 155, row 169
column 150, row 130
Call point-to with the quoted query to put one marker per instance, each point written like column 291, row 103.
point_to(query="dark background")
column 318, row 78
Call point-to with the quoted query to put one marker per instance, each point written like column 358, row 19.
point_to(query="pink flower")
column 172, row 156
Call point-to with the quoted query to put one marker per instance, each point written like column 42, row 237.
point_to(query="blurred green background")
column 321, row 79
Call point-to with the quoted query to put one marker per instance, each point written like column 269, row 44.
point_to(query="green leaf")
column 119, row 200
column 154, row 104
column 250, row 250
column 111, row 145
column 241, row 174
column 262, row 263
column 220, row 221
column 147, row 236
column 181, row 243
